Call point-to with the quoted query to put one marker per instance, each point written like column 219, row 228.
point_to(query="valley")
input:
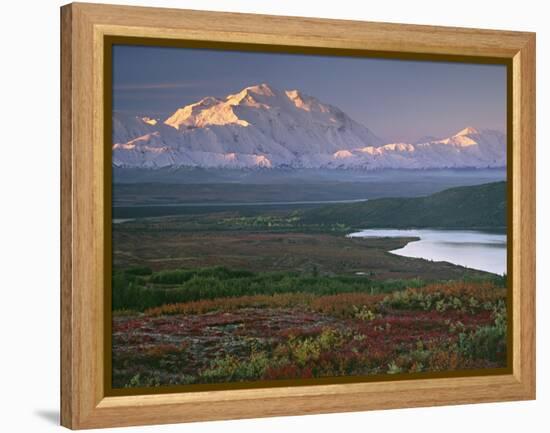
column 224, row 293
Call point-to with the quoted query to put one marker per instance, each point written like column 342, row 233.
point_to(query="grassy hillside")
column 479, row 206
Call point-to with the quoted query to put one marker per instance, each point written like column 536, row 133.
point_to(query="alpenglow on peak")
column 261, row 126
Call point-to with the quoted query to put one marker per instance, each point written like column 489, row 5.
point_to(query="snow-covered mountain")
column 264, row 127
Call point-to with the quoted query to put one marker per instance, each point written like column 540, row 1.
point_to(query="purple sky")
column 398, row 100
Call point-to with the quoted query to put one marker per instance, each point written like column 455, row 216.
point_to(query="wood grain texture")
column 67, row 395
column 524, row 215
column 83, row 401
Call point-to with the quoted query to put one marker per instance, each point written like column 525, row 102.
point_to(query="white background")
column 29, row 238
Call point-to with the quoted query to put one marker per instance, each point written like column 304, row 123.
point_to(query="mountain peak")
column 261, row 89
column 467, row 131
column 251, row 95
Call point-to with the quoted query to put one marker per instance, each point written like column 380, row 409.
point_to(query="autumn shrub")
column 142, row 380
column 304, row 351
column 229, row 304
column 487, row 342
column 358, row 305
column 296, row 357
column 346, row 304
column 458, row 296
column 323, row 353
column 444, row 359
column 287, row 371
column 232, row 369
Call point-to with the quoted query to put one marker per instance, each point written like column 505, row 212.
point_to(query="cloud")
column 160, row 86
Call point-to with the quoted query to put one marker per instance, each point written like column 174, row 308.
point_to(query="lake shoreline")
column 473, row 249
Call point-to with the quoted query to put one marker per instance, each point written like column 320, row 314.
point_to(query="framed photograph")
column 266, row 216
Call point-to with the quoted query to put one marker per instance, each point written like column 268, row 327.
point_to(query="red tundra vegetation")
column 435, row 328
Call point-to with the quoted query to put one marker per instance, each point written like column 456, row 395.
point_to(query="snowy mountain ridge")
column 262, row 127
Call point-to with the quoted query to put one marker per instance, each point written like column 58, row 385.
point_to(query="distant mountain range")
column 262, row 127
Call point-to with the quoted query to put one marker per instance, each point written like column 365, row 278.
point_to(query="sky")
column 398, row 100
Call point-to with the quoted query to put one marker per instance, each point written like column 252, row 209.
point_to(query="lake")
column 480, row 250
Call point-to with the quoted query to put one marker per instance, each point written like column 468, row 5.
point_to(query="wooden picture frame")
column 85, row 213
